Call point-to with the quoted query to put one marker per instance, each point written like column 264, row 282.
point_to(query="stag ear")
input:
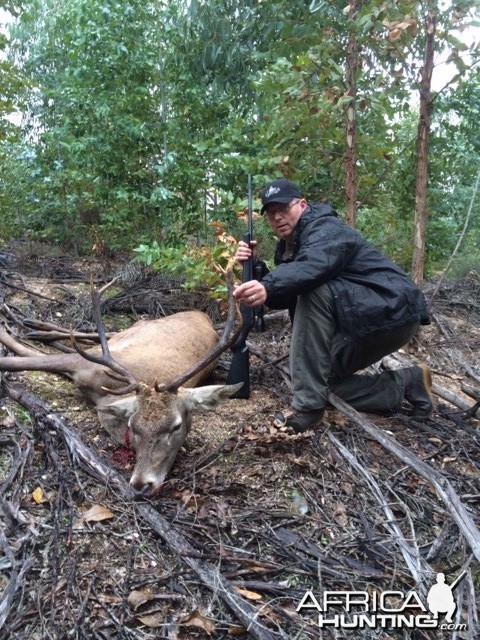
column 208, row 397
column 122, row 408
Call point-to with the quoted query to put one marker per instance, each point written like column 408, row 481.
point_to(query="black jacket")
column 371, row 293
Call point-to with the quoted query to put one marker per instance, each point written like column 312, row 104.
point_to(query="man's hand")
column 244, row 251
column 251, row 293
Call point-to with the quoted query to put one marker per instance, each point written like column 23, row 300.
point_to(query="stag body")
column 153, row 420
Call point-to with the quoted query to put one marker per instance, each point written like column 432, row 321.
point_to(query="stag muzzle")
column 147, row 481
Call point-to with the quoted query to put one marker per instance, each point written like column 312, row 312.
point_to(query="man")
column 350, row 305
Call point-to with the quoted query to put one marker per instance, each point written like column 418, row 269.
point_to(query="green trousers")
column 323, row 359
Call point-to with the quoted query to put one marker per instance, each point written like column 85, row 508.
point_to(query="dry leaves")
column 97, row 513
column 249, row 595
column 38, row 496
column 200, row 620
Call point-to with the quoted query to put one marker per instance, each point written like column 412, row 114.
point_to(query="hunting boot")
column 418, row 390
column 297, row 420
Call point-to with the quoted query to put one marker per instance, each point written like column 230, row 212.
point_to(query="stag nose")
column 143, row 490
column 145, row 485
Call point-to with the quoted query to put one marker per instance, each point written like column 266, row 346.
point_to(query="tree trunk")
column 423, row 139
column 350, row 161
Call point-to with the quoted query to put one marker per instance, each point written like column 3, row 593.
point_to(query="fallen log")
column 454, row 399
column 209, row 574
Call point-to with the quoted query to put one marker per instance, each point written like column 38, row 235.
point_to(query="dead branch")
column 30, row 292
column 393, row 362
column 454, row 399
column 418, row 567
column 278, row 363
column 208, row 574
column 442, row 486
column 471, row 391
column 15, row 582
column 472, row 373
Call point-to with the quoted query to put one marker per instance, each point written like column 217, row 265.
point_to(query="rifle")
column 260, row 270
column 240, row 365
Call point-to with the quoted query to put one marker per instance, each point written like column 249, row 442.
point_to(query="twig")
column 442, row 486
column 177, row 543
column 410, row 555
column 30, row 292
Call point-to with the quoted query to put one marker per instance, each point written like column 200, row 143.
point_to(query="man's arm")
column 326, row 248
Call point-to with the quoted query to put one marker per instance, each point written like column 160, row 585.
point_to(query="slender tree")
column 423, row 146
column 352, row 69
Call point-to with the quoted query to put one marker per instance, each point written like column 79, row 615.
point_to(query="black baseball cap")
column 281, row 190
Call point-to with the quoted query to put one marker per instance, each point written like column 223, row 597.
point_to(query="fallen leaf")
column 153, row 621
column 37, row 495
column 246, row 593
column 110, row 599
column 260, row 568
column 197, row 619
column 338, row 419
column 137, row 598
column 97, row 513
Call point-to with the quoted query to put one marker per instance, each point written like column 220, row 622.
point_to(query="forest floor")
column 251, row 517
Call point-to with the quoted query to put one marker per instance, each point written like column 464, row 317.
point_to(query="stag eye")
column 177, row 423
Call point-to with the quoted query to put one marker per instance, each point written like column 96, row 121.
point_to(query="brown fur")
column 152, row 351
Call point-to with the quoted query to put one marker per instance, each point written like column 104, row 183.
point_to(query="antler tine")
column 222, row 345
column 106, row 357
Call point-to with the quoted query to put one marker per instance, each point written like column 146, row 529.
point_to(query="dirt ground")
column 251, row 518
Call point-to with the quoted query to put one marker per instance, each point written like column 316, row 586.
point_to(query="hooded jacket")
column 370, row 292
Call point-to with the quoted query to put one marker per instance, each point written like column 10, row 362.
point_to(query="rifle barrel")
column 250, row 207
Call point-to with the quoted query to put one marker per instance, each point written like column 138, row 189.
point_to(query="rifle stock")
column 240, row 366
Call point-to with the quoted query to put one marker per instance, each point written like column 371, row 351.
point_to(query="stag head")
column 158, row 425
column 158, row 419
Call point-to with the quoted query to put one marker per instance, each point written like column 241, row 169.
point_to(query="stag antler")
column 222, row 345
column 117, row 371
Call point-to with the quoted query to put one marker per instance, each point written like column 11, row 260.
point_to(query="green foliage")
column 141, row 120
column 91, row 77
column 196, row 266
column 463, row 264
column 391, row 234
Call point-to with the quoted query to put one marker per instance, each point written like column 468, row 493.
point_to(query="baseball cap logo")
column 271, row 191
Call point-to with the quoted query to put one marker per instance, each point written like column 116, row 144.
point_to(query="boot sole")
column 427, row 385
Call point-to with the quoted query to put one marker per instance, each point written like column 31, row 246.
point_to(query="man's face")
column 283, row 218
